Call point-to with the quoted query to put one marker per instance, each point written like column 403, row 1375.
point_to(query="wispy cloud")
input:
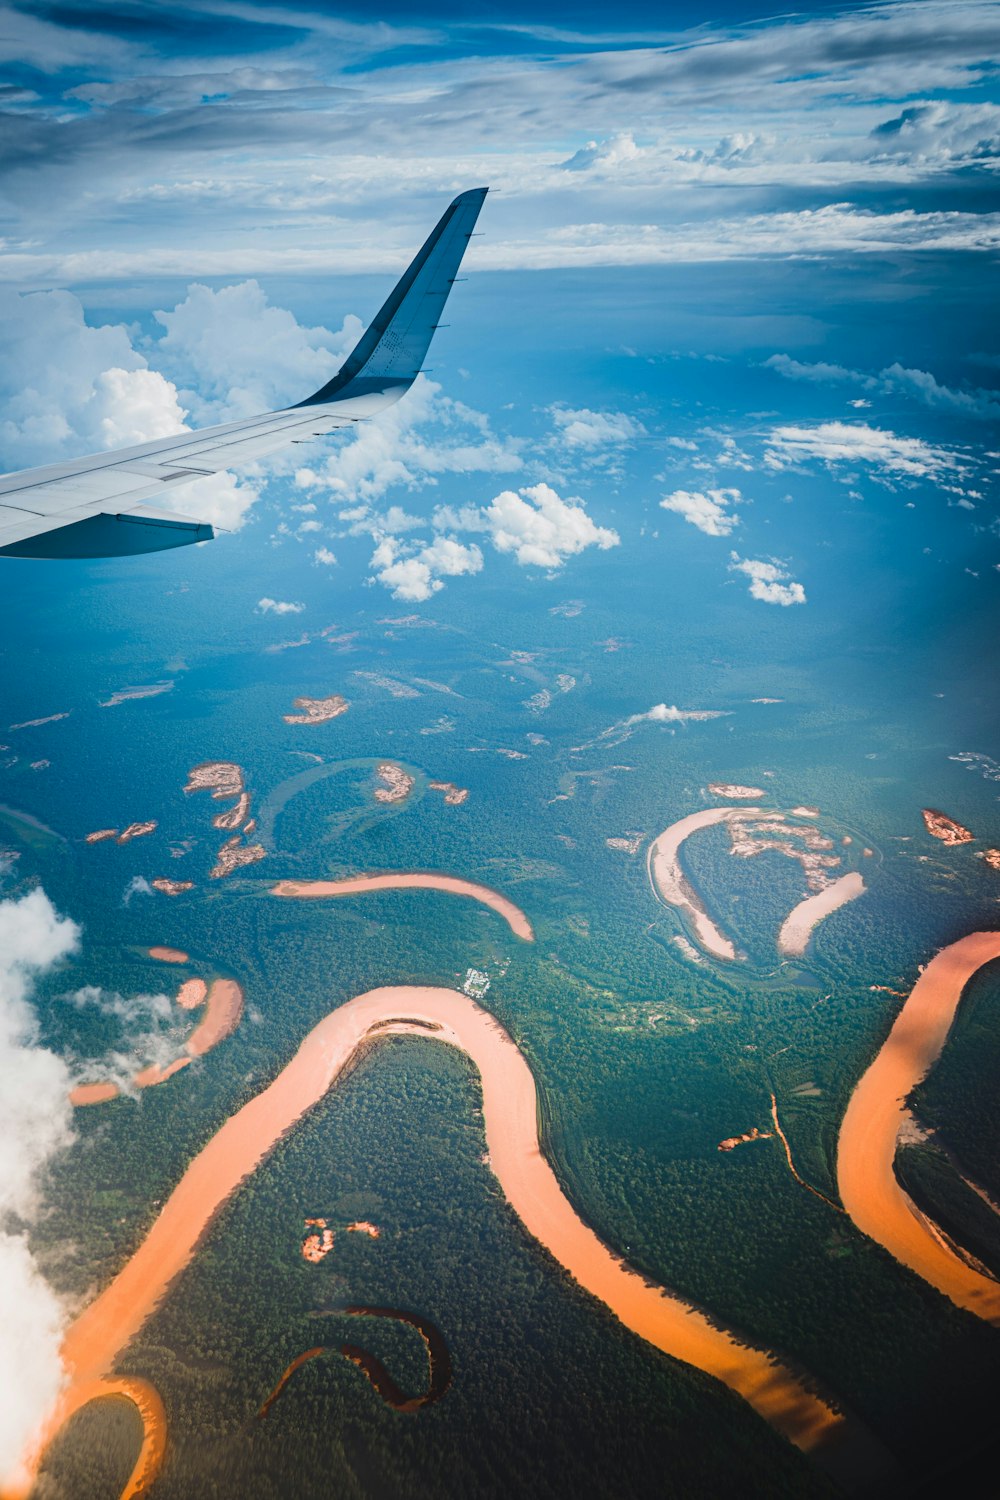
column 857, row 443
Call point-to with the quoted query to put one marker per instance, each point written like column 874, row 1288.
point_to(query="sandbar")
column 191, row 994
column 877, row 1111
column 317, row 710
column 169, row 955
column 100, row 1333
column 669, row 882
column 408, row 880
column 797, row 927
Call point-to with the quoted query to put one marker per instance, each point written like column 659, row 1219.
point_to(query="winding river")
column 454, row 885
column 866, row 1148
column 510, row 1107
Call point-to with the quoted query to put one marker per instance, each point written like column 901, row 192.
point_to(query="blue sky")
column 728, row 260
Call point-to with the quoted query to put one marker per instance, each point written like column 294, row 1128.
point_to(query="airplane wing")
column 105, row 505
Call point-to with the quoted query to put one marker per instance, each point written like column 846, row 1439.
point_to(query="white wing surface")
column 106, row 505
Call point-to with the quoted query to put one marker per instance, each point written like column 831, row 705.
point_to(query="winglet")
column 388, row 357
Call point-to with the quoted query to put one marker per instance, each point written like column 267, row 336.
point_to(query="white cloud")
column 417, row 576
column 856, row 442
column 666, row 713
column 409, row 445
column 235, row 355
column 267, row 606
column 325, row 556
column 817, row 374
column 35, row 1124
column 67, row 388
column 593, row 429
column 709, row 512
column 608, row 156
column 540, row 529
column 896, row 379
column 769, row 581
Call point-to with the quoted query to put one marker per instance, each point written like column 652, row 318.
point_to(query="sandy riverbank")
column 877, row 1111
column 797, row 927
column 510, row 1108
column 669, row 882
column 396, row 881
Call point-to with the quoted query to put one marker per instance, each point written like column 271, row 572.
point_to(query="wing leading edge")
column 98, row 506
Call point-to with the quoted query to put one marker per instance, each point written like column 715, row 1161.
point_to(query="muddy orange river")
column 867, row 1145
column 453, row 884
column 510, row 1107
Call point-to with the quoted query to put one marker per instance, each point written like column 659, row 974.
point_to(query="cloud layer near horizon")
column 623, row 144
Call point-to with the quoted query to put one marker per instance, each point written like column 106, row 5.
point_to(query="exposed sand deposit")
column 192, row 993
column 733, row 791
column 510, row 1109
column 168, row 955
column 317, row 710
column 397, row 784
column 223, row 778
column 233, row 856
column 171, row 887
column 356, row 884
column 797, row 927
column 453, row 795
column 670, row 884
column 136, row 831
column 101, row 834
column 940, row 826
column 877, row 1112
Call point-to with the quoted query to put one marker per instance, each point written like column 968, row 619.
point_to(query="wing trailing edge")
column 95, row 506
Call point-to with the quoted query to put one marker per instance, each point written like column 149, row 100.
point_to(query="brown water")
column 866, row 1149
column 510, row 1106
column 398, row 881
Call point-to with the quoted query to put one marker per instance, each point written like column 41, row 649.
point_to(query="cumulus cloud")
column 34, row 1125
column 325, row 556
column 593, row 430
column 268, row 606
column 769, row 581
column 608, row 155
column 857, row 442
column 68, row 388
column 233, row 354
column 539, row 529
column 939, row 134
column 709, row 512
column 415, row 576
